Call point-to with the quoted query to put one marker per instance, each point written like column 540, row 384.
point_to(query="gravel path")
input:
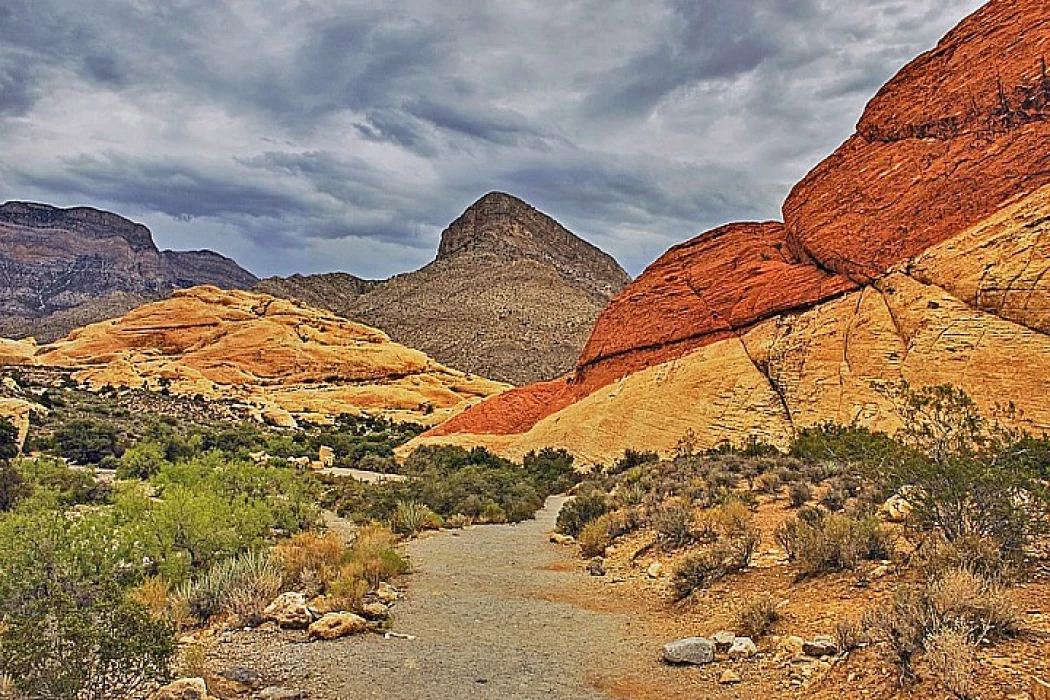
column 476, row 605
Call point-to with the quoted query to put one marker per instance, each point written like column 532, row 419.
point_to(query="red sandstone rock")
column 956, row 134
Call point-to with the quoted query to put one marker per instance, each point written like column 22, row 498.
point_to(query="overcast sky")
column 317, row 135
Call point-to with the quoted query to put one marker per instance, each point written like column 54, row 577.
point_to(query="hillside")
column 285, row 359
column 63, row 268
column 888, row 268
column 512, row 294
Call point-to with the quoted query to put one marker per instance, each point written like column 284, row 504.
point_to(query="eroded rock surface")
column 282, row 357
column 64, row 268
column 917, row 252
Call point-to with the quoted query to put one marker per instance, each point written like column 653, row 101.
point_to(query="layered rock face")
column 284, row 358
column 919, row 251
column 62, row 268
column 512, row 294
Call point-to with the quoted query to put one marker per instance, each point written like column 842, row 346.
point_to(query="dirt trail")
column 479, row 605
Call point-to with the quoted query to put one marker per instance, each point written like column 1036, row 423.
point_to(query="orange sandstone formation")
column 918, row 251
column 283, row 358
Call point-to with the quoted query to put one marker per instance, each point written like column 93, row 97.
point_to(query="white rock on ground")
column 692, row 650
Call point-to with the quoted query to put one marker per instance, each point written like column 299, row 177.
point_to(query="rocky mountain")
column 285, row 359
column 62, row 268
column 918, row 251
column 512, row 294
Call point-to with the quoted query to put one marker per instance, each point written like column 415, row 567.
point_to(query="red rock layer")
column 515, row 411
column 699, row 292
column 955, row 135
column 958, row 133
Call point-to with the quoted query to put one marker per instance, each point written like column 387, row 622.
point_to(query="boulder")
column 655, row 570
column 695, row 651
column 896, row 509
column 743, row 648
column 183, row 689
column 558, row 538
column 337, row 625
column 387, row 593
column 326, row 456
column 821, row 646
column 289, row 611
column 242, row 675
column 277, row 693
column 723, row 640
column 596, row 567
column 375, row 611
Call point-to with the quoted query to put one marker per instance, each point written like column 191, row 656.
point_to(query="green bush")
column 87, row 441
column 587, row 506
column 8, row 440
column 69, row 630
column 835, row 542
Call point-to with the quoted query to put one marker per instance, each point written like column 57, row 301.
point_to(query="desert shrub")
column 758, row 617
column 13, row 488
column 598, row 534
column 240, row 586
column 587, row 506
column 958, row 602
column 967, row 475
column 142, row 461
column 630, row 460
column 799, row 494
column 373, row 547
column 768, row 483
column 69, row 629
column 731, row 541
column 823, row 544
column 49, row 478
column 953, row 660
column 980, row 555
column 308, row 559
column 87, row 441
column 411, row 518
column 674, row 523
column 8, row 440
column 850, row 635
column 594, row 538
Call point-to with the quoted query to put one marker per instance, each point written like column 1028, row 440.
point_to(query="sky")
column 324, row 135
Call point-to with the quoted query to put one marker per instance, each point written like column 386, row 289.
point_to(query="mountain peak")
column 509, row 228
column 86, row 221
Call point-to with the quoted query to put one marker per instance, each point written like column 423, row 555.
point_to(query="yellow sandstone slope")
column 972, row 311
column 283, row 358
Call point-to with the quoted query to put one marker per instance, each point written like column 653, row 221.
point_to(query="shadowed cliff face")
column 512, row 294
column 62, row 268
column 918, row 251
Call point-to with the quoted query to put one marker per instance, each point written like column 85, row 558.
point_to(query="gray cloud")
column 345, row 134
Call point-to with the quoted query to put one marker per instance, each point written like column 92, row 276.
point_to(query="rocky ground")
column 500, row 612
column 485, row 622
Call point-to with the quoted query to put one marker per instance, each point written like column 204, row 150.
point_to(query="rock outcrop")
column 282, row 357
column 63, row 268
column 919, row 251
column 512, row 294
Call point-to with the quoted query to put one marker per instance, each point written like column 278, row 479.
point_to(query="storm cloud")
column 315, row 135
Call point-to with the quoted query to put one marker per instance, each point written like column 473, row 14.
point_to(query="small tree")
column 968, row 476
column 9, row 445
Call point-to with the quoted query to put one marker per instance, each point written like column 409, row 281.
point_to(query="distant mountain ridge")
column 64, row 268
column 511, row 295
